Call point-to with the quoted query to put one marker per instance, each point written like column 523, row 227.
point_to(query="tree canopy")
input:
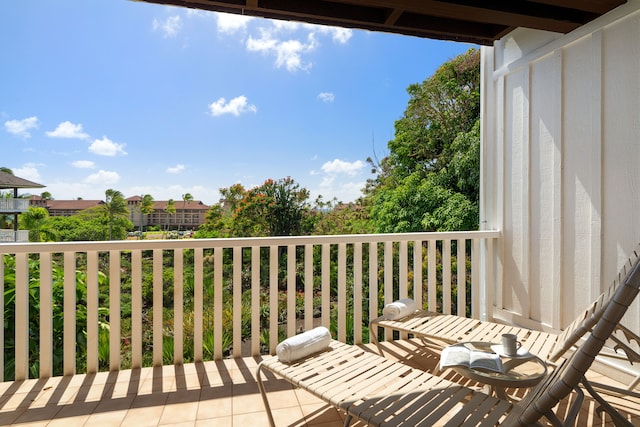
column 430, row 180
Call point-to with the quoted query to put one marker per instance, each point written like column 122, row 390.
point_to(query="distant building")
column 70, row 207
column 11, row 206
column 188, row 216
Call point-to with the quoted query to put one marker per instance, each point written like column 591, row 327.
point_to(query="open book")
column 461, row 355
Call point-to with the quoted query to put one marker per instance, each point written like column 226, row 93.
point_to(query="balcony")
column 169, row 332
column 13, row 205
column 21, row 236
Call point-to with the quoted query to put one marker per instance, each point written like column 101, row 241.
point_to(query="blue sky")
column 145, row 98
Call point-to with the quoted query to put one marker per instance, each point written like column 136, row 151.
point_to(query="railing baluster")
column 46, row 317
column 373, row 281
column 273, row 298
column 475, row 278
column 291, row 290
column 403, row 265
column 446, row 276
column 22, row 317
column 69, row 334
column 198, row 303
column 417, row 272
column 114, row 310
column 217, row 302
column 237, row 301
column 357, row 293
column 308, row 287
column 178, row 306
column 342, row 292
column 461, row 276
column 431, row 276
column 326, row 285
column 136, row 308
column 93, row 333
column 388, row 280
column 2, row 318
column 158, row 285
column 255, row 300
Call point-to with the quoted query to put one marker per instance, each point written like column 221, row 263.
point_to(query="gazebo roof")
column 480, row 22
column 10, row 181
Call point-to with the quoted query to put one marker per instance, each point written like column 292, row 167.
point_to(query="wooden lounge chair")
column 438, row 330
column 379, row 391
column 382, row 392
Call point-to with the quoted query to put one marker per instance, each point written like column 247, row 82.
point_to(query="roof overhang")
column 472, row 21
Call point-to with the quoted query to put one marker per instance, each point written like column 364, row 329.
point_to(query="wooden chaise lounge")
column 438, row 330
column 382, row 392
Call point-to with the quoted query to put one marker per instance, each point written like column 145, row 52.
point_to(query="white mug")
column 510, row 344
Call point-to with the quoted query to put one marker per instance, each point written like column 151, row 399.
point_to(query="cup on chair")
column 510, row 344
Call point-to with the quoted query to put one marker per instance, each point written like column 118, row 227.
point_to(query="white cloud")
column 68, row 130
column 326, row 96
column 83, row 164
column 106, row 147
column 175, row 169
column 28, row 171
column 236, row 106
column 103, row 177
column 230, row 23
column 288, row 53
column 338, row 166
column 338, row 35
column 21, row 127
column 170, row 27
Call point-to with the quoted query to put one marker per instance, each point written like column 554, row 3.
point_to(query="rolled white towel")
column 304, row 344
column 400, row 308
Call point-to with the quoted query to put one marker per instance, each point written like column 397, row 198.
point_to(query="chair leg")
column 263, row 393
column 618, row 419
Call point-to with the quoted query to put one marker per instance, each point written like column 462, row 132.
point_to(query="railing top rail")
column 126, row 245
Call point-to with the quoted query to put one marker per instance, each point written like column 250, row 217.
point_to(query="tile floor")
column 217, row 394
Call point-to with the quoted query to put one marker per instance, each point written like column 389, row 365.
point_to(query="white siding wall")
column 561, row 164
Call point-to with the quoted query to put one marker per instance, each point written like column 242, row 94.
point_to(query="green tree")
column 33, row 221
column 46, row 195
column 345, row 218
column 430, row 180
column 146, row 208
column 186, row 199
column 170, row 209
column 276, row 208
column 114, row 207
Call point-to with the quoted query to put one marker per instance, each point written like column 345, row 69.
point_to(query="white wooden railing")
column 14, row 205
column 354, row 276
column 14, row 236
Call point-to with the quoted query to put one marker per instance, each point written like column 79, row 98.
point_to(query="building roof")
column 192, row 205
column 11, row 181
column 73, row 204
column 480, row 22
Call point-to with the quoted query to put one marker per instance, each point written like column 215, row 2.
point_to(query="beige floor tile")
column 306, row 398
column 75, row 421
column 320, row 413
column 179, row 412
column 217, row 422
column 143, row 417
column 215, row 404
column 251, row 419
column 292, row 417
column 109, row 418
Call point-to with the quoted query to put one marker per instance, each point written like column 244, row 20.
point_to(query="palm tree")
column 186, row 198
column 115, row 206
column 32, row 220
column 146, row 207
column 170, row 209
